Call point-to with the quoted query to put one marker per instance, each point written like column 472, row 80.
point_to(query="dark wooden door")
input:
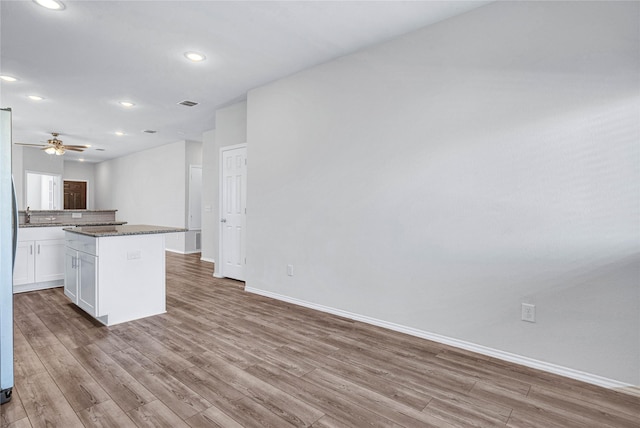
column 75, row 195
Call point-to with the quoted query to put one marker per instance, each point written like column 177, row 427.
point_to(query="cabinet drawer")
column 40, row 233
column 86, row 244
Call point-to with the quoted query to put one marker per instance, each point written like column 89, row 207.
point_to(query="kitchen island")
column 116, row 273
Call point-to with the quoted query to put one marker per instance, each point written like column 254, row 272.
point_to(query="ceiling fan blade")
column 34, row 145
column 75, row 146
column 74, row 149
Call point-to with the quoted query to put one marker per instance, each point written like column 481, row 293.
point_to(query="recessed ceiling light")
column 126, row 104
column 119, row 133
column 50, row 4
column 81, row 160
column 195, row 56
column 35, row 97
column 8, row 78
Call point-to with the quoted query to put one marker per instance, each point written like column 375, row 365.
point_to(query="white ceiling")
column 87, row 57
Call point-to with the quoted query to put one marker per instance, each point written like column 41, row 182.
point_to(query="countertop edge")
column 123, row 230
column 70, row 211
column 98, row 223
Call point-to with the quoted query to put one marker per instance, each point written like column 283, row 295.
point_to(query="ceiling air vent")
column 188, row 103
column 149, row 131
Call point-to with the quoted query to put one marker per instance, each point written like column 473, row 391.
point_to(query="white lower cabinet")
column 71, row 274
column 39, row 259
column 49, row 260
column 81, row 280
column 88, row 284
column 24, row 269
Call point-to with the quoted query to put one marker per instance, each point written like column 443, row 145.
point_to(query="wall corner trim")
column 502, row 355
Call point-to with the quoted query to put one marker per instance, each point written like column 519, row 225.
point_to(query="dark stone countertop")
column 124, row 230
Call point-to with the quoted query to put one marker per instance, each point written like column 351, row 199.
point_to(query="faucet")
column 27, row 219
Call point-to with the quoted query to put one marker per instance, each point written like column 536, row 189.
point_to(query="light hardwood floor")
column 221, row 357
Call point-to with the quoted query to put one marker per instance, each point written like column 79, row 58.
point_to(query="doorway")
column 195, row 197
column 75, row 195
column 233, row 211
column 43, row 191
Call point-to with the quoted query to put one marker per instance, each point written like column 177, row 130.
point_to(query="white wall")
column 147, row 187
column 438, row 181
column 209, row 240
column 35, row 160
column 17, row 170
column 32, row 160
column 231, row 129
column 193, row 156
column 82, row 171
column 186, row 242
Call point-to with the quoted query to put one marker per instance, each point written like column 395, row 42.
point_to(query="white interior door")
column 195, row 197
column 233, row 212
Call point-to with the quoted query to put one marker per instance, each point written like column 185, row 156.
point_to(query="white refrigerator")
column 8, row 240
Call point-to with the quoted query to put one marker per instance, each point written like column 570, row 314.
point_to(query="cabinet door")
column 87, row 283
column 50, row 260
column 71, row 275
column 23, row 272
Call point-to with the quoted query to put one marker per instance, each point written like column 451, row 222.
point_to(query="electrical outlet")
column 76, row 215
column 528, row 312
column 290, row 270
column 134, row 254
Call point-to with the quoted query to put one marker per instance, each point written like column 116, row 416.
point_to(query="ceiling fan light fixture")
column 50, row 4
column 7, row 78
column 59, row 151
column 50, row 150
column 195, row 56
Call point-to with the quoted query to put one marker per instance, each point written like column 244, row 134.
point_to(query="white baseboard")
column 23, row 288
column 496, row 353
column 171, row 250
column 206, row 259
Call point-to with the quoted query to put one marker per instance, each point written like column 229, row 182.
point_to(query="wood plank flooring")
column 221, row 357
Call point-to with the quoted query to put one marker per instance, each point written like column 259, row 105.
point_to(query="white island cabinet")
column 116, row 273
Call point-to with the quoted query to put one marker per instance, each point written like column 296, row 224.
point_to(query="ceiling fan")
column 55, row 146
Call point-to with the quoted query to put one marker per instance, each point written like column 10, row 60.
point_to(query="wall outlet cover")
column 528, row 312
column 133, row 255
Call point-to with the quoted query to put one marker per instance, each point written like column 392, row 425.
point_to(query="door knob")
column 223, row 220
